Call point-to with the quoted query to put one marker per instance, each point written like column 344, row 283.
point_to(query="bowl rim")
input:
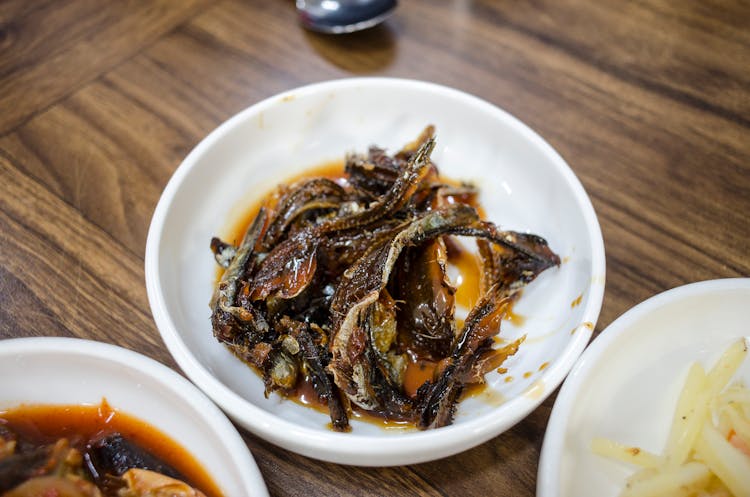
column 251, row 478
column 351, row 448
column 549, row 471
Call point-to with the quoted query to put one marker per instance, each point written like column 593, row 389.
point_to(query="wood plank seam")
column 569, row 48
column 97, row 76
column 11, row 160
column 666, row 229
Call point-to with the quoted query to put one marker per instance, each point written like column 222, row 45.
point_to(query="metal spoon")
column 343, row 16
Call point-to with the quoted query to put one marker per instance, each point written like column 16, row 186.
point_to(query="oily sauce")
column 304, row 394
column 82, row 424
column 469, row 272
column 417, row 372
column 333, row 170
column 466, row 264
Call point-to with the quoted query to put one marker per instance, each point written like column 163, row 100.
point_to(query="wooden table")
column 649, row 102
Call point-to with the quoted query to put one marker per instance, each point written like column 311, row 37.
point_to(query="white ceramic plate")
column 525, row 185
column 73, row 371
column 625, row 385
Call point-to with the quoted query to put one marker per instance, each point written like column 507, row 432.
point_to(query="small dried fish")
column 428, row 318
column 341, row 284
column 237, row 325
column 360, row 291
column 396, row 197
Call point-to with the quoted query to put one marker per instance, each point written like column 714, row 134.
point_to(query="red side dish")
column 93, row 451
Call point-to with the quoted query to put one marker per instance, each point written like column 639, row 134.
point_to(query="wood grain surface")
column 649, row 102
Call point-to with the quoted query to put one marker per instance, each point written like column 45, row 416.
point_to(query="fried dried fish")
column 341, row 284
column 358, row 295
column 426, row 315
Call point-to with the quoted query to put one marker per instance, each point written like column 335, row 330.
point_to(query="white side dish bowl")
column 525, row 186
column 69, row 371
column 626, row 384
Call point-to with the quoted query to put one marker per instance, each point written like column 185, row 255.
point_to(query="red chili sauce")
column 83, row 424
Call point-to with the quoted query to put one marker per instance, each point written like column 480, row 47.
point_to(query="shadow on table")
column 364, row 52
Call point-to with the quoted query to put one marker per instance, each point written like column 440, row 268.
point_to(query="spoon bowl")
column 343, row 16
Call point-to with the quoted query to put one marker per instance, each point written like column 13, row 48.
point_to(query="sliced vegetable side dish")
column 707, row 452
column 342, row 284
